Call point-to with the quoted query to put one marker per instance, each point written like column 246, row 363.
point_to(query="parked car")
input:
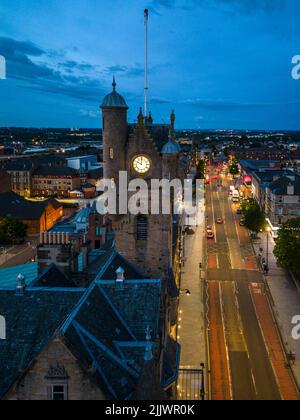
column 210, row 234
column 219, row 221
column 239, row 211
column 242, row 222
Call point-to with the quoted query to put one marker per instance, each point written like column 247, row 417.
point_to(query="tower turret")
column 114, row 109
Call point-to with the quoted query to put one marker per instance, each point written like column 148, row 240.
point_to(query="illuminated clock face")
column 141, row 164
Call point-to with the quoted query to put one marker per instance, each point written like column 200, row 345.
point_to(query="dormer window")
column 59, row 392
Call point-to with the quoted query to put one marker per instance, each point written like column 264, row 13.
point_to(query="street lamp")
column 202, row 390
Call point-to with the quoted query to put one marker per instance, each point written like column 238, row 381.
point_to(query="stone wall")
column 56, row 366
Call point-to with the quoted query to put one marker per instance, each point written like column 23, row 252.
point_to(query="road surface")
column 242, row 335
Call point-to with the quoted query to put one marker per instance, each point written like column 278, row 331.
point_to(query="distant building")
column 68, row 244
column 5, row 184
column 260, row 153
column 283, row 200
column 54, row 181
column 20, row 176
column 83, row 163
column 38, row 216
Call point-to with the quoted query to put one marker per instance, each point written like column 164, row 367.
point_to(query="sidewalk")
column 191, row 331
column 286, row 300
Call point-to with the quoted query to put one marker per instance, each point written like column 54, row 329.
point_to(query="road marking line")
column 225, row 340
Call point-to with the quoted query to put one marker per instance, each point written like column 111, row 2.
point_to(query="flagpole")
column 146, row 63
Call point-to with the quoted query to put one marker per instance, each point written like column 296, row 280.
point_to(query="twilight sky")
column 218, row 63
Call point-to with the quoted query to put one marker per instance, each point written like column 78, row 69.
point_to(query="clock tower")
column 145, row 151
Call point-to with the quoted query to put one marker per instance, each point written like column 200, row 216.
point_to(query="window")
column 111, row 153
column 58, row 392
column 142, row 228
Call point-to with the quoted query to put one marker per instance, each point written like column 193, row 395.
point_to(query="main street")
column 242, row 334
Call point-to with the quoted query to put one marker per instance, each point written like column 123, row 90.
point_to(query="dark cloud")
column 245, row 6
column 159, row 101
column 71, row 65
column 40, row 76
column 134, row 71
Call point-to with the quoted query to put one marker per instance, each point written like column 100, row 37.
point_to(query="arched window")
column 141, row 228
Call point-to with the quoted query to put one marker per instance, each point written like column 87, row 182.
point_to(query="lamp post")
column 267, row 257
column 202, row 390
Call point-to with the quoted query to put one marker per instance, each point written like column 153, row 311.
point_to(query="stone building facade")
column 145, row 151
column 56, row 375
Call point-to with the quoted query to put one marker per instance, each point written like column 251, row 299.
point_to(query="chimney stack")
column 21, row 285
column 290, row 189
column 120, row 276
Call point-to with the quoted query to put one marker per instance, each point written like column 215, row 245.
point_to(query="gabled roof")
column 31, row 321
column 159, row 134
column 280, row 186
column 53, row 277
column 15, row 206
column 103, row 265
column 136, row 301
column 55, row 171
column 107, row 330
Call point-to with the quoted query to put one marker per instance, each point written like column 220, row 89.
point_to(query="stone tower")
column 148, row 152
column 114, row 110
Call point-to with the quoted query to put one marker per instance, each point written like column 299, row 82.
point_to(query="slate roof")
column 103, row 326
column 107, row 330
column 31, row 321
column 280, row 186
column 15, row 206
column 52, row 277
column 95, row 173
column 55, row 171
column 104, row 263
column 8, row 276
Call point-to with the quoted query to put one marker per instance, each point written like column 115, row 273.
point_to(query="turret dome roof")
column 114, row 99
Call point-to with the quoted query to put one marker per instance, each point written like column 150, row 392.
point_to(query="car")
column 210, row 234
column 219, row 221
column 239, row 211
column 242, row 222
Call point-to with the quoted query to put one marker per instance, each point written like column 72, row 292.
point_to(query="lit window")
column 111, row 153
column 58, row 392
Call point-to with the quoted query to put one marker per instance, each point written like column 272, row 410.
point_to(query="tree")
column 287, row 248
column 255, row 219
column 12, row 231
column 200, row 174
column 234, row 168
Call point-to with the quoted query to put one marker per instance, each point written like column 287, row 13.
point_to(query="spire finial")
column 114, row 84
column 141, row 117
column 172, row 129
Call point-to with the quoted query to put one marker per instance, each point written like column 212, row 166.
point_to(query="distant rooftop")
column 8, row 276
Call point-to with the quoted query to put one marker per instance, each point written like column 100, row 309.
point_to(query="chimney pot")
column 20, row 285
column 120, row 275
